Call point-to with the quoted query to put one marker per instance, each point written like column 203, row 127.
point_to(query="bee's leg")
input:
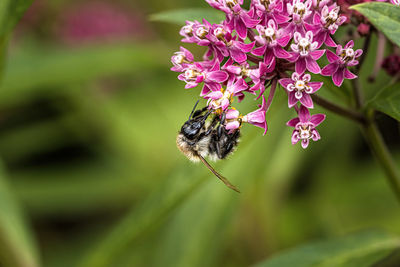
column 229, row 144
column 199, row 112
column 212, row 125
column 218, row 148
column 223, row 117
column 221, row 127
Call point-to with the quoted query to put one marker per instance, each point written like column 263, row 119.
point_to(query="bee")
column 199, row 138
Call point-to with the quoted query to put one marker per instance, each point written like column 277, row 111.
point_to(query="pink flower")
column 271, row 9
column 304, row 127
column 325, row 24
column 197, row 73
column 237, row 18
column 222, row 99
column 223, row 44
column 181, row 59
column 305, row 53
column 257, row 117
column 299, row 88
column 231, row 119
column 344, row 57
column 299, row 11
column 272, row 42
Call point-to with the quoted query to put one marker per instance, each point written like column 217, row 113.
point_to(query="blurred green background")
column 90, row 174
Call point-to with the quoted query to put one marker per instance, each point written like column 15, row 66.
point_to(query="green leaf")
column 384, row 16
column 388, row 101
column 17, row 248
column 361, row 249
column 179, row 16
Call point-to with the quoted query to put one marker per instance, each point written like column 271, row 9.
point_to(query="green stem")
column 383, row 155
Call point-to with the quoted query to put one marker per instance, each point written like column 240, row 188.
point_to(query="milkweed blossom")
column 272, row 43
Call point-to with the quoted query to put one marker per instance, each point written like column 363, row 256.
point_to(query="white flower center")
column 179, row 58
column 349, row 52
column 300, row 85
column 304, row 42
column 188, row 29
column 231, row 3
column 201, row 32
column 299, row 8
column 191, row 74
column 333, row 15
column 269, row 32
column 219, row 32
column 305, row 131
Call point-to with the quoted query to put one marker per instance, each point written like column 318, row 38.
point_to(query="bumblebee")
column 199, row 139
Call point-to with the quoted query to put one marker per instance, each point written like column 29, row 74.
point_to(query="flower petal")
column 316, row 119
column 304, row 114
column 315, row 86
column 306, row 101
column 293, row 122
column 332, row 57
column 285, row 82
column 218, row 76
column 338, row 77
column 312, row 65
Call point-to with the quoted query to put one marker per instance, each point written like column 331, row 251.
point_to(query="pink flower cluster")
column 274, row 42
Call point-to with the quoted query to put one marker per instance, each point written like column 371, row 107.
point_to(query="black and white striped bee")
column 199, row 139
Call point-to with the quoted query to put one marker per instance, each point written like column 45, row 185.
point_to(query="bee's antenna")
column 195, row 105
column 223, row 179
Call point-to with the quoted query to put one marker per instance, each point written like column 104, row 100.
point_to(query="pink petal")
column 349, row 75
column 317, row 54
column 240, row 85
column 338, row 77
column 358, row 53
column 316, row 119
column 315, row 86
column 285, row 82
column 248, row 21
column 293, row 122
column 280, row 18
column 214, row 86
column 244, row 47
column 350, row 44
column 283, row 41
column 306, row 101
column 205, row 90
column 330, row 42
column 295, row 137
column 215, row 95
column 304, row 114
column 238, row 55
column 280, row 52
column 240, row 28
column 232, row 114
column 259, row 51
column 292, row 100
column 312, row 65
column 329, row 69
column 218, row 76
column 304, row 143
column 332, row 57
column 300, row 65
column 269, row 56
column 232, row 125
column 190, row 85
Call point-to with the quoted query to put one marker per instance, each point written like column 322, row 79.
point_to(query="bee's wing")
column 222, row 178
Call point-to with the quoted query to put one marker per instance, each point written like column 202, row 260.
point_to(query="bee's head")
column 192, row 128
